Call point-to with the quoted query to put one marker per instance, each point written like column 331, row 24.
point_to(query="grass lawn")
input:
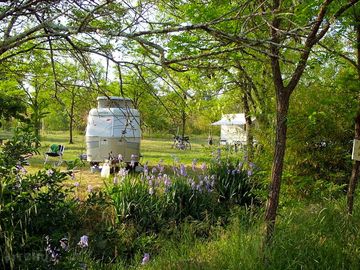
column 153, row 150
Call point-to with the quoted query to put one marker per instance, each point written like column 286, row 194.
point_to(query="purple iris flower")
column 145, row 259
column 183, row 170
column 84, row 241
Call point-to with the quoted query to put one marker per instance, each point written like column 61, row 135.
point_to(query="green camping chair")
column 55, row 150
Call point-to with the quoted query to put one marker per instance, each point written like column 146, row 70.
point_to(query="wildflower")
column 151, row 191
column 145, row 259
column 116, row 180
column 193, row 164
column 218, row 154
column 53, row 252
column 192, row 183
column 64, row 243
column 175, row 170
column 167, row 181
column 72, row 176
column 183, row 170
column 209, row 183
column 21, row 169
column 132, row 163
column 146, row 169
column 203, row 166
column 249, row 172
column 84, row 241
column 89, row 188
column 122, row 174
column 120, row 157
column 50, row 172
column 76, row 184
column 252, row 165
column 153, row 170
column 209, row 188
column 160, row 165
column 161, row 168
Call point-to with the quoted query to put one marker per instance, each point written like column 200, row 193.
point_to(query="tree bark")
column 183, row 116
column 71, row 124
column 355, row 171
column 356, row 165
column 278, row 162
column 283, row 94
column 248, row 127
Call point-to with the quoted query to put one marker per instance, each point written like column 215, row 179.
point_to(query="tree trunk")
column 248, row 127
column 71, row 124
column 37, row 131
column 183, row 117
column 277, row 168
column 355, row 171
column 356, row 166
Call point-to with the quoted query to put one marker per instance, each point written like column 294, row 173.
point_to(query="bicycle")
column 181, row 143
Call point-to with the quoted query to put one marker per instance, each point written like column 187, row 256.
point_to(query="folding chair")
column 55, row 150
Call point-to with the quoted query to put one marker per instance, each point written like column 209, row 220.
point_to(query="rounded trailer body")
column 113, row 129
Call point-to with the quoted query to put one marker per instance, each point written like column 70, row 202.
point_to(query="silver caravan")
column 113, row 130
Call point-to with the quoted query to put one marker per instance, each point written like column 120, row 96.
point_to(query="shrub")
column 32, row 206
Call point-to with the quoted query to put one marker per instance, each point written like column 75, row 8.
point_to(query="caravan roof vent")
column 114, row 102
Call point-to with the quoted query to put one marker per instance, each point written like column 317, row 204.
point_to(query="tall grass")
column 320, row 236
column 310, row 234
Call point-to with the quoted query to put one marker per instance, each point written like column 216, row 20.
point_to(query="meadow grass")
column 310, row 236
column 153, row 151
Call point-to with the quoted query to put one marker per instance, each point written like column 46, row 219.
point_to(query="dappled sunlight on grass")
column 153, row 151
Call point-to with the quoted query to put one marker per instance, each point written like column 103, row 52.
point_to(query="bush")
column 32, row 206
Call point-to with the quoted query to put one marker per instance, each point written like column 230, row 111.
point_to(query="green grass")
column 153, row 150
column 308, row 236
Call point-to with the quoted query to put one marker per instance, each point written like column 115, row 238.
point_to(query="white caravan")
column 233, row 129
column 113, row 130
